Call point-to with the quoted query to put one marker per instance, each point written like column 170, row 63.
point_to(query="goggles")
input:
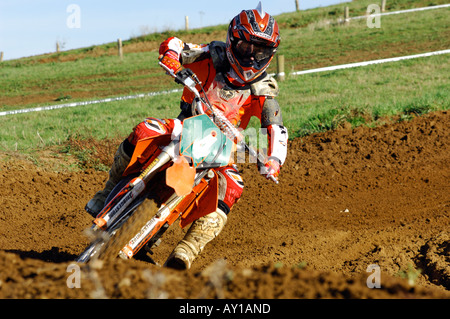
column 247, row 50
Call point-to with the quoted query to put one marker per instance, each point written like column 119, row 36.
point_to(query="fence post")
column 280, row 68
column 383, row 5
column 297, row 7
column 119, row 48
column 186, row 23
column 57, row 46
column 347, row 15
column 1, row 56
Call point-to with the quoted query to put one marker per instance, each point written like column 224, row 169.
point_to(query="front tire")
column 128, row 230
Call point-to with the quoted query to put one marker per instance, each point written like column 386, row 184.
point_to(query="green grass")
column 356, row 8
column 104, row 120
column 323, row 44
column 365, row 95
column 311, row 103
column 68, row 78
column 317, row 44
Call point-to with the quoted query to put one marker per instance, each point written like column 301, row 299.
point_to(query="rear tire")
column 128, row 230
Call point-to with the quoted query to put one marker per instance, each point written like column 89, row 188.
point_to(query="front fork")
column 113, row 210
column 167, row 214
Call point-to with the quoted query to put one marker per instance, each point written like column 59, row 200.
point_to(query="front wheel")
column 128, row 230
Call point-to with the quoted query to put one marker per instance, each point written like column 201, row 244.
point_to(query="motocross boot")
column 121, row 161
column 202, row 231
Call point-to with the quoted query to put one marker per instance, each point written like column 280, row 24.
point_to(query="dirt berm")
column 347, row 199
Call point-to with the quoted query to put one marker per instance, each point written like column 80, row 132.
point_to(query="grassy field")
column 367, row 95
column 311, row 103
column 320, row 41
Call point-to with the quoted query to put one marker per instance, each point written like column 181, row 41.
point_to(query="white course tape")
column 121, row 98
column 74, row 104
column 354, row 65
column 400, row 11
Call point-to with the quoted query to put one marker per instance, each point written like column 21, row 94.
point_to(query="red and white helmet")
column 252, row 40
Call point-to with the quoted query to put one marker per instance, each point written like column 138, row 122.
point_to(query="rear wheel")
column 128, row 230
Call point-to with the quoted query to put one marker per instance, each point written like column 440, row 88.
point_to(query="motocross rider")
column 232, row 70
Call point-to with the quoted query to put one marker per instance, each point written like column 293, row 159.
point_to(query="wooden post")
column 120, row 48
column 280, row 68
column 186, row 23
column 347, row 15
column 1, row 56
column 57, row 46
column 383, row 5
column 297, row 7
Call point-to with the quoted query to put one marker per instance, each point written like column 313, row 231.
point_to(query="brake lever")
column 169, row 71
column 274, row 179
column 269, row 176
column 184, row 77
column 261, row 161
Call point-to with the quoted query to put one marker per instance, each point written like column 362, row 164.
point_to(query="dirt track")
column 347, row 199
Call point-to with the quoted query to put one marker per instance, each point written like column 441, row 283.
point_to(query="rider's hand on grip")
column 171, row 61
column 271, row 169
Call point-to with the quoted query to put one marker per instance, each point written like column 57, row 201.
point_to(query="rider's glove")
column 171, row 60
column 270, row 168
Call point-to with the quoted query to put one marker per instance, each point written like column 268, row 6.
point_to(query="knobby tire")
column 128, row 230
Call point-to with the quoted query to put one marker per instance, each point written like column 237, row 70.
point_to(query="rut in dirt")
column 346, row 199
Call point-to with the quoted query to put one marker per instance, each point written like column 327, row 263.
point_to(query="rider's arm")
column 277, row 133
column 182, row 52
column 272, row 120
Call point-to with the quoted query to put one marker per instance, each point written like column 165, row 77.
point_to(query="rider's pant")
column 231, row 184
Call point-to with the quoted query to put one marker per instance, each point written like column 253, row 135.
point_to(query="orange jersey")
column 238, row 105
column 238, row 101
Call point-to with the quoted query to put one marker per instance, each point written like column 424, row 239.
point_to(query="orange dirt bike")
column 169, row 177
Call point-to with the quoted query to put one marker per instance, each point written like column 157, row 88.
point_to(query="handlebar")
column 188, row 79
column 184, row 77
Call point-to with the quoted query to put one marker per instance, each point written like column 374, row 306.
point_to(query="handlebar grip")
column 169, row 71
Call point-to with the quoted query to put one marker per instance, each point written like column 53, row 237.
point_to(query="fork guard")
column 201, row 201
column 145, row 152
